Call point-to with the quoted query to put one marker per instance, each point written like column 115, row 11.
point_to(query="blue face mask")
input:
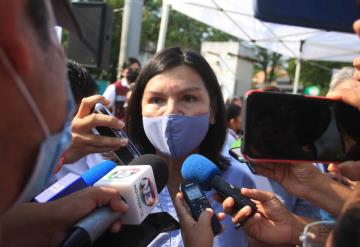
column 52, row 147
column 176, row 135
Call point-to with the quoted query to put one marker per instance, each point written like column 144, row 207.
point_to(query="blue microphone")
column 197, row 168
column 71, row 182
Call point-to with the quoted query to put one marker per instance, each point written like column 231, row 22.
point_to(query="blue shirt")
column 237, row 174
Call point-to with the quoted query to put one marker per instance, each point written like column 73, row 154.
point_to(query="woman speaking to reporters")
column 176, row 110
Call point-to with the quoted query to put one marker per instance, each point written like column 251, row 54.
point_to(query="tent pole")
column 298, row 68
column 163, row 25
column 297, row 76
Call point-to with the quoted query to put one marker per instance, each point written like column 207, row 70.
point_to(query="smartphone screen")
column 287, row 127
column 124, row 155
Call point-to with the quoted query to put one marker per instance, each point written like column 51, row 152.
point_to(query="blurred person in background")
column 237, row 100
column 81, row 82
column 128, row 96
column 233, row 118
column 116, row 92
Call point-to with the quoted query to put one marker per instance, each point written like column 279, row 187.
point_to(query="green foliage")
column 316, row 73
column 267, row 61
column 182, row 31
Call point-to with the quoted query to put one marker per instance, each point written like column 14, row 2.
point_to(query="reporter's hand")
column 194, row 233
column 349, row 169
column 306, row 181
column 272, row 224
column 343, row 180
column 83, row 140
column 47, row 224
column 349, row 96
column 297, row 179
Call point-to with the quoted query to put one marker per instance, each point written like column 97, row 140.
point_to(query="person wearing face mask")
column 35, row 128
column 177, row 109
column 116, row 92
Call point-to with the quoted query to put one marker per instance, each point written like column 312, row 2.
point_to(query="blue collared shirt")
column 237, row 174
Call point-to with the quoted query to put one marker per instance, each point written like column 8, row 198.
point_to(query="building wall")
column 230, row 62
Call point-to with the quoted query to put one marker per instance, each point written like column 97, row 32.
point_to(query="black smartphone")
column 236, row 154
column 197, row 201
column 124, row 155
column 282, row 127
column 140, row 235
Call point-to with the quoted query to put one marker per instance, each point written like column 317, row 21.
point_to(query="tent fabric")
column 236, row 17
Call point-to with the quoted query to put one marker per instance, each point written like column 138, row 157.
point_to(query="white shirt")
column 110, row 94
column 79, row 167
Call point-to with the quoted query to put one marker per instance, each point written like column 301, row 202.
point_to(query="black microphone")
column 197, row 168
column 134, row 183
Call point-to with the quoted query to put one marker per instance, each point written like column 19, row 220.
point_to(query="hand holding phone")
column 196, row 200
column 281, row 127
column 124, row 155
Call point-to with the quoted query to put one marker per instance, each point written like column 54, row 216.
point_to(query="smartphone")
column 235, row 152
column 282, row 127
column 126, row 154
column 196, row 200
column 140, row 235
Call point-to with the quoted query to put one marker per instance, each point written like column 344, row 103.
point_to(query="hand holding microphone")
column 197, row 168
column 273, row 223
column 197, row 232
column 136, row 184
column 54, row 219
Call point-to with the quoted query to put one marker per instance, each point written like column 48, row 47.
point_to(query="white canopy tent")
column 236, row 17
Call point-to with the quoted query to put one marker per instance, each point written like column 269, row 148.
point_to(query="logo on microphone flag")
column 147, row 191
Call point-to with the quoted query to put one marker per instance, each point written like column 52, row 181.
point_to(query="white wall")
column 233, row 72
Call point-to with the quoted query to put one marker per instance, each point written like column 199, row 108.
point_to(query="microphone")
column 135, row 183
column 71, row 182
column 197, row 168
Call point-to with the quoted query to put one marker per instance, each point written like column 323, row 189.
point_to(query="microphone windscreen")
column 94, row 174
column 197, row 168
column 158, row 165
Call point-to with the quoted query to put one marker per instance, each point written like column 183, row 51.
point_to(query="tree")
column 315, row 73
column 182, row 31
column 267, row 62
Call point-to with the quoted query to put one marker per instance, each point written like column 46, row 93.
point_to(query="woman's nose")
column 172, row 108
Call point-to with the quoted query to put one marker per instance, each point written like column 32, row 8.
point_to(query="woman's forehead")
column 178, row 78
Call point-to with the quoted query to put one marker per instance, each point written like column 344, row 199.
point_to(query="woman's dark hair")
column 129, row 62
column 347, row 231
column 163, row 61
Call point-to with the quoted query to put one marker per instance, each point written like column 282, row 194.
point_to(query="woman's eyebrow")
column 190, row 89
column 181, row 91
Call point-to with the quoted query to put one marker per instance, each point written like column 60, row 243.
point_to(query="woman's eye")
column 156, row 100
column 189, row 98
